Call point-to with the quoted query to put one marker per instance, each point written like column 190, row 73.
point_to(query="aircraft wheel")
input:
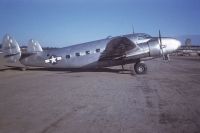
column 23, row 69
column 140, row 68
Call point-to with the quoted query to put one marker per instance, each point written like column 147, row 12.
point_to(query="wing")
column 117, row 48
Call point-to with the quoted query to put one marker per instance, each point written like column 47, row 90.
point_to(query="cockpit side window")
column 147, row 36
column 143, row 36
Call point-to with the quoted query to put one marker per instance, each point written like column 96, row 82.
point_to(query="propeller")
column 165, row 57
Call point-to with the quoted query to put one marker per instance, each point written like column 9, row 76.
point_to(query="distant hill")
column 194, row 38
column 24, row 48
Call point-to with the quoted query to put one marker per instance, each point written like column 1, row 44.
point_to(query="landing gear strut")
column 140, row 68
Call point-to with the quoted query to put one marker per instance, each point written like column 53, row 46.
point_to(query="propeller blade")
column 161, row 46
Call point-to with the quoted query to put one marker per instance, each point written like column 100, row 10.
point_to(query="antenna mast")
column 133, row 29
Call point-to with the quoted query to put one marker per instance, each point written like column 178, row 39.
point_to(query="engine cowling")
column 154, row 48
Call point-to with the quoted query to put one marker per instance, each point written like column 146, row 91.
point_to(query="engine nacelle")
column 154, row 48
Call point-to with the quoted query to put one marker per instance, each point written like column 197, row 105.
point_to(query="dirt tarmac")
column 165, row 100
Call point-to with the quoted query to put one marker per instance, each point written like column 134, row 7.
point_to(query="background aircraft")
column 112, row 51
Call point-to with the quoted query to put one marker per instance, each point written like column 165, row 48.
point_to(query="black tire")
column 23, row 68
column 140, row 68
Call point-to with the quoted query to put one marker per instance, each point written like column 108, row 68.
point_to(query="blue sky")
column 64, row 22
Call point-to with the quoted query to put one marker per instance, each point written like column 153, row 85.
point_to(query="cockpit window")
column 147, row 36
column 143, row 36
column 140, row 38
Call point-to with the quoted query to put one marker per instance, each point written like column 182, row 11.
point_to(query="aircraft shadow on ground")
column 73, row 70
column 78, row 70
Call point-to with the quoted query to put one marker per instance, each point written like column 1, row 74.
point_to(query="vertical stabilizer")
column 10, row 49
column 34, row 46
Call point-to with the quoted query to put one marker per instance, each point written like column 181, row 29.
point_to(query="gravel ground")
column 165, row 100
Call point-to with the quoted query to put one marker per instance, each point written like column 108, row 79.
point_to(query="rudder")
column 10, row 49
column 34, row 46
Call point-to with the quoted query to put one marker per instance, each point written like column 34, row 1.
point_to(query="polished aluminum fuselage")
column 147, row 48
column 82, row 61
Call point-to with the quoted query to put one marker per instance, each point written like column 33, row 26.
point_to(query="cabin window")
column 78, row 54
column 87, row 52
column 98, row 50
column 67, row 56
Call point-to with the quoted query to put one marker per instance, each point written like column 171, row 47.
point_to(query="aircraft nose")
column 176, row 44
column 170, row 45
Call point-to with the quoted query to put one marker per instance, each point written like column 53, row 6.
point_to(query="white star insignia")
column 53, row 60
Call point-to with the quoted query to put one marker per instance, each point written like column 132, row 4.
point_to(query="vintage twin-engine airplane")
column 112, row 51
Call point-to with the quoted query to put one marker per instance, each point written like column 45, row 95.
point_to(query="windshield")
column 143, row 36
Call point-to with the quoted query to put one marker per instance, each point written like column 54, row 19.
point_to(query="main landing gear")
column 140, row 68
column 24, row 68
